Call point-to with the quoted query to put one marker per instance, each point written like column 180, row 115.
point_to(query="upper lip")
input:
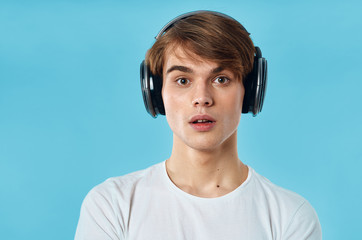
column 202, row 117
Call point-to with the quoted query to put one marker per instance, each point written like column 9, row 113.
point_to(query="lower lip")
column 203, row 127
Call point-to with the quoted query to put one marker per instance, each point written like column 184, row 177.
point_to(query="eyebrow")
column 189, row 70
column 179, row 68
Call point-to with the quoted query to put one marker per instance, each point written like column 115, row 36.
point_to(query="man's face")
column 202, row 101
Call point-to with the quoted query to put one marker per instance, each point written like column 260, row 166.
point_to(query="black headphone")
column 255, row 82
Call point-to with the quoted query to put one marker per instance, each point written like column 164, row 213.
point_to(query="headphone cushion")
column 151, row 86
column 255, row 86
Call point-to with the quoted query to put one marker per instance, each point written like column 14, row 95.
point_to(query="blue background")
column 71, row 111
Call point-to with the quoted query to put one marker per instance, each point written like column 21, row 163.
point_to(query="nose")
column 202, row 96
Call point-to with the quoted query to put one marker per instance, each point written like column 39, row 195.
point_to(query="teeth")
column 202, row 121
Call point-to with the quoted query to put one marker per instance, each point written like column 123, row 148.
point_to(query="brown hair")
column 209, row 36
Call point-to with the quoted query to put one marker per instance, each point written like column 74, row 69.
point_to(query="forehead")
column 177, row 55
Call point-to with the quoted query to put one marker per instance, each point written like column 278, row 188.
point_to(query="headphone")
column 255, row 82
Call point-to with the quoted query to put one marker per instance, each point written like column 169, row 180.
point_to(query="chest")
column 172, row 217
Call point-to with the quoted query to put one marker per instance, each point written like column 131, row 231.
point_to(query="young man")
column 203, row 62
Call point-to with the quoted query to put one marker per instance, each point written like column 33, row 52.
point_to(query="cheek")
column 171, row 104
column 241, row 95
column 167, row 100
column 235, row 99
column 233, row 106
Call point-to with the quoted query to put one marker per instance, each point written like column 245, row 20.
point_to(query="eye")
column 182, row 81
column 221, row 80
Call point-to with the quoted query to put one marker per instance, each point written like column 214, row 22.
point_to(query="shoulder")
column 105, row 210
column 276, row 193
column 296, row 217
column 122, row 187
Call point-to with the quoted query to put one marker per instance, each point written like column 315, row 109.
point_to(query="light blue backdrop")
column 71, row 111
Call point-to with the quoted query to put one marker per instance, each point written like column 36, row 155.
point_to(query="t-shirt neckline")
column 180, row 192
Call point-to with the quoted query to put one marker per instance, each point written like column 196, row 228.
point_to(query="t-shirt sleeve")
column 97, row 219
column 304, row 225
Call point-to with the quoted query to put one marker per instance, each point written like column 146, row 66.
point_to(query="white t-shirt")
column 147, row 205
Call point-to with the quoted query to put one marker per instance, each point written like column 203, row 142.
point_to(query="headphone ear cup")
column 249, row 91
column 255, row 85
column 151, row 86
column 261, row 85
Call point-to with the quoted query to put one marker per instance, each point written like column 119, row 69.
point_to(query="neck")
column 206, row 173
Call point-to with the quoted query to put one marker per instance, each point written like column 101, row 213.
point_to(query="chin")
column 205, row 141
column 202, row 147
column 203, row 144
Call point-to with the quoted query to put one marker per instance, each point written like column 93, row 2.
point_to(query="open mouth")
column 202, row 121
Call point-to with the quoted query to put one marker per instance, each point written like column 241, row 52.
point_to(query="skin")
column 204, row 164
